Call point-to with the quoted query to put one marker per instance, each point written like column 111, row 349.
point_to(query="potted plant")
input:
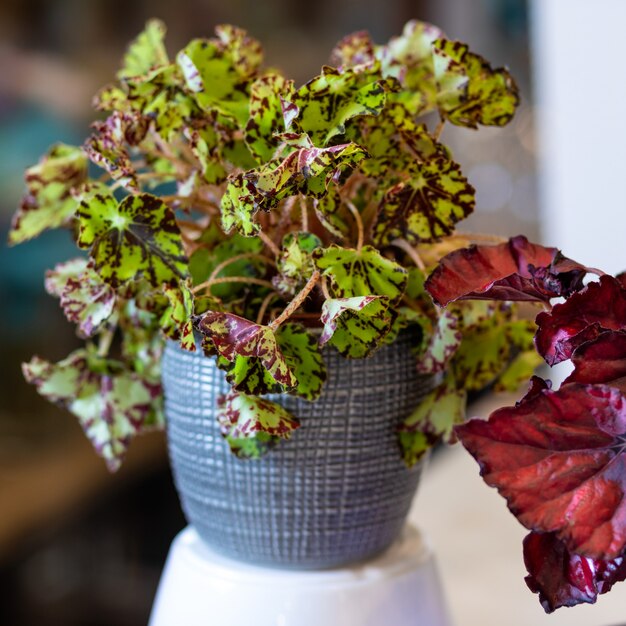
column 265, row 247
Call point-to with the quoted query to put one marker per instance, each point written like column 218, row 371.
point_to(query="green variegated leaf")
column 295, row 263
column 427, row 205
column 205, row 143
column 331, row 213
column 354, row 49
column 488, row 348
column 470, row 92
column 333, row 98
column 248, row 375
column 245, row 51
column 85, row 299
column 112, row 404
column 176, row 321
column 362, row 272
column 161, row 97
column 519, row 371
column 137, row 237
column 107, row 146
column 239, row 206
column 432, row 421
column 409, row 58
column 49, row 202
column 266, row 115
column 251, row 425
column 304, row 357
column 234, row 336
column 442, row 344
column 218, row 70
column 356, row 326
column 307, row 170
column 146, row 52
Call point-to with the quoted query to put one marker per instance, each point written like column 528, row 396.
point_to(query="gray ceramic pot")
column 335, row 493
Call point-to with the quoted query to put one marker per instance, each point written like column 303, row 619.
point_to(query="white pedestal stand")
column 201, row 588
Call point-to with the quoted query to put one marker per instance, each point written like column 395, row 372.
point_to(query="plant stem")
column 359, row 223
column 324, row 287
column 269, row 243
column 104, row 342
column 305, row 215
column 263, row 308
column 295, row 304
column 404, row 245
column 232, row 279
column 439, row 129
column 239, row 257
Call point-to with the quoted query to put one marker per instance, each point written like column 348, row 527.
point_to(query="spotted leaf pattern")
column 362, row 272
column 432, row 421
column 252, row 425
column 427, row 205
column 333, row 98
column 267, row 94
column 356, row 326
column 146, row 52
column 86, row 300
column 136, row 237
column 469, row 91
column 112, row 404
column 49, row 201
column 235, row 336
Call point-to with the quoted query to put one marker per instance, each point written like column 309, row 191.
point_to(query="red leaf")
column 514, row 270
column 583, row 317
column 600, row 361
column 559, row 459
column 562, row 578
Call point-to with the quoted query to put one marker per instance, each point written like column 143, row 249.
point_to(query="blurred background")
column 78, row 546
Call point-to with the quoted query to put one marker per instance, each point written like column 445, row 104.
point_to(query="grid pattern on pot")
column 335, row 493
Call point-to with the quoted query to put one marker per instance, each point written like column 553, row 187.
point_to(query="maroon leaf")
column 559, row 459
column 562, row 578
column 514, row 270
column 598, row 307
column 600, row 361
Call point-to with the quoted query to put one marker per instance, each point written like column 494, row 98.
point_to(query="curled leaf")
column 356, row 326
column 582, row 317
column 146, row 52
column 252, row 425
column 602, row 360
column 470, row 92
column 432, row 421
column 333, row 98
column 85, row 299
column 514, row 270
column 234, row 336
column 442, row 344
column 559, row 459
column 112, row 404
column 49, row 200
column 562, row 578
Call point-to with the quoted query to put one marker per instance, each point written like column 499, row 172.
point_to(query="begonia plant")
column 218, row 205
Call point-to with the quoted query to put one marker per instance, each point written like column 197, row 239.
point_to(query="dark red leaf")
column 600, row 361
column 562, row 578
column 514, row 270
column 621, row 278
column 582, row 317
column 559, row 459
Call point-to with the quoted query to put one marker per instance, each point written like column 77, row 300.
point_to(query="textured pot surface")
column 335, row 493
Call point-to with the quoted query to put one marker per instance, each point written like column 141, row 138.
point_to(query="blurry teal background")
column 78, row 546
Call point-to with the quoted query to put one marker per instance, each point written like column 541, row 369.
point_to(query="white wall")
column 579, row 64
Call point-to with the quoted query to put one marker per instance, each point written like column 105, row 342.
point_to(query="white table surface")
column 477, row 544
